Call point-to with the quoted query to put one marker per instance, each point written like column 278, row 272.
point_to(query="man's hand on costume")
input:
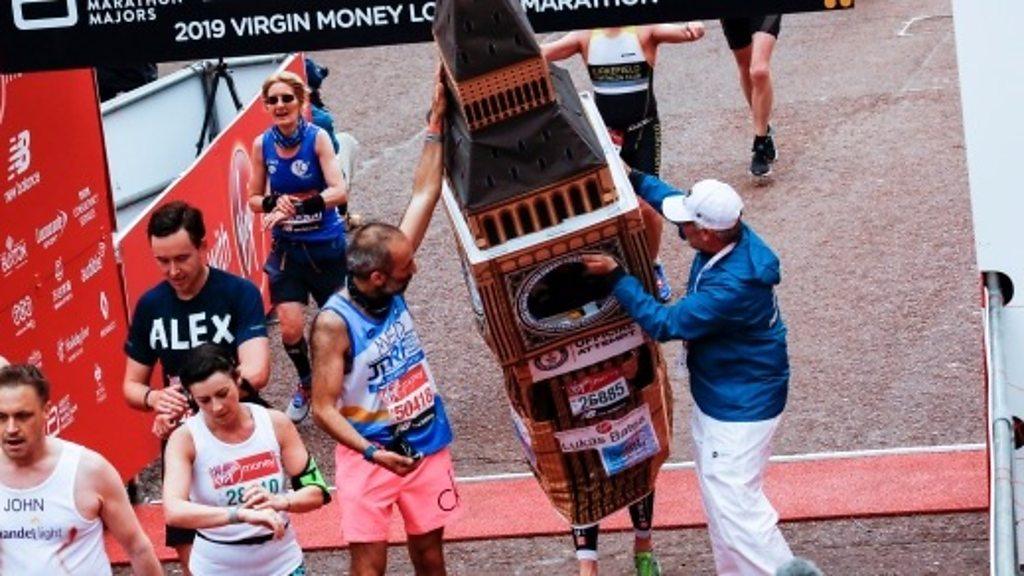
column 599, row 264
column 401, row 465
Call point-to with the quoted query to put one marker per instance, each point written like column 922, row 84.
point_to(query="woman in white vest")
column 228, row 471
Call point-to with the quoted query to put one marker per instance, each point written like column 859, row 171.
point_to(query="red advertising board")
column 217, row 184
column 61, row 299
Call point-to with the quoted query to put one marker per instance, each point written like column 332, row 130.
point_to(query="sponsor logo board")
column 621, row 443
column 13, row 256
column 585, row 352
column 61, row 415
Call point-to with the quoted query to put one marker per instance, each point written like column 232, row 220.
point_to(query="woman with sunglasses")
column 227, row 475
column 297, row 183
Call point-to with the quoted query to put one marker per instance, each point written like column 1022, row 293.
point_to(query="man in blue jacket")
column 734, row 342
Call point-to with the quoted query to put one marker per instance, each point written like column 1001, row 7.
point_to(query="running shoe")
column 773, row 152
column 662, row 287
column 763, row 156
column 646, row 564
column 298, row 408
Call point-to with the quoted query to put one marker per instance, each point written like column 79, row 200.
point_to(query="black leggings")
column 641, row 147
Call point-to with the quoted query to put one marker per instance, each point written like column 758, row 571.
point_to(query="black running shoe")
column 773, row 154
column 764, row 154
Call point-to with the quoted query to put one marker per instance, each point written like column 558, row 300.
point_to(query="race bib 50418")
column 411, row 395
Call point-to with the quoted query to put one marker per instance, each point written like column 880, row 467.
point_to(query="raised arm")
column 565, row 47
column 426, row 188
column 117, row 514
column 677, row 33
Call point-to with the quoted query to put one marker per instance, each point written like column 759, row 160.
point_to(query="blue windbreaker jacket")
column 736, row 338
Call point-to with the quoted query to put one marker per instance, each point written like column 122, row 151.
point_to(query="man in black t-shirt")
column 193, row 305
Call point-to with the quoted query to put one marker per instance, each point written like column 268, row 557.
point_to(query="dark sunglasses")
column 286, row 98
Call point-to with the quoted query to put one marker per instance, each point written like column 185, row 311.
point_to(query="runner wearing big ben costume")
column 621, row 63
column 297, row 182
column 373, row 390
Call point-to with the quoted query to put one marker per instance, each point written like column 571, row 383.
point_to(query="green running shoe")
column 646, row 564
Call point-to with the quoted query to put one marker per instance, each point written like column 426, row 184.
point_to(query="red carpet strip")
column 817, row 489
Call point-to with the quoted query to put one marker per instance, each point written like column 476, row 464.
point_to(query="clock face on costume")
column 559, row 297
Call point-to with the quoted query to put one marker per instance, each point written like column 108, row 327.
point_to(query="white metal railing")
column 1004, row 539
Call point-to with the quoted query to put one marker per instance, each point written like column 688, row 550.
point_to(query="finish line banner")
column 52, row 34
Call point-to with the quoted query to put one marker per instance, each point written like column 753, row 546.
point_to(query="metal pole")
column 1004, row 541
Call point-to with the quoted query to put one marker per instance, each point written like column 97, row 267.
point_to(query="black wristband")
column 269, row 202
column 315, row 204
column 145, row 400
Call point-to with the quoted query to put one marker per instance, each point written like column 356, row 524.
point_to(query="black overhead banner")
column 49, row 34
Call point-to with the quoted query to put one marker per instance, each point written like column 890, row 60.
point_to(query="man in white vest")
column 56, row 497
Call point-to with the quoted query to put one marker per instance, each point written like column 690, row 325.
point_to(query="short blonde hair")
column 293, row 80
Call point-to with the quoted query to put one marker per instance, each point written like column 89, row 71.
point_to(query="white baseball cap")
column 710, row 204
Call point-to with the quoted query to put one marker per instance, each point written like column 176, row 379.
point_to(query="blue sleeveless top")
column 301, row 176
column 389, row 389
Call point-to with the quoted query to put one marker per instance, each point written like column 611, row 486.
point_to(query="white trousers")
column 743, row 525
